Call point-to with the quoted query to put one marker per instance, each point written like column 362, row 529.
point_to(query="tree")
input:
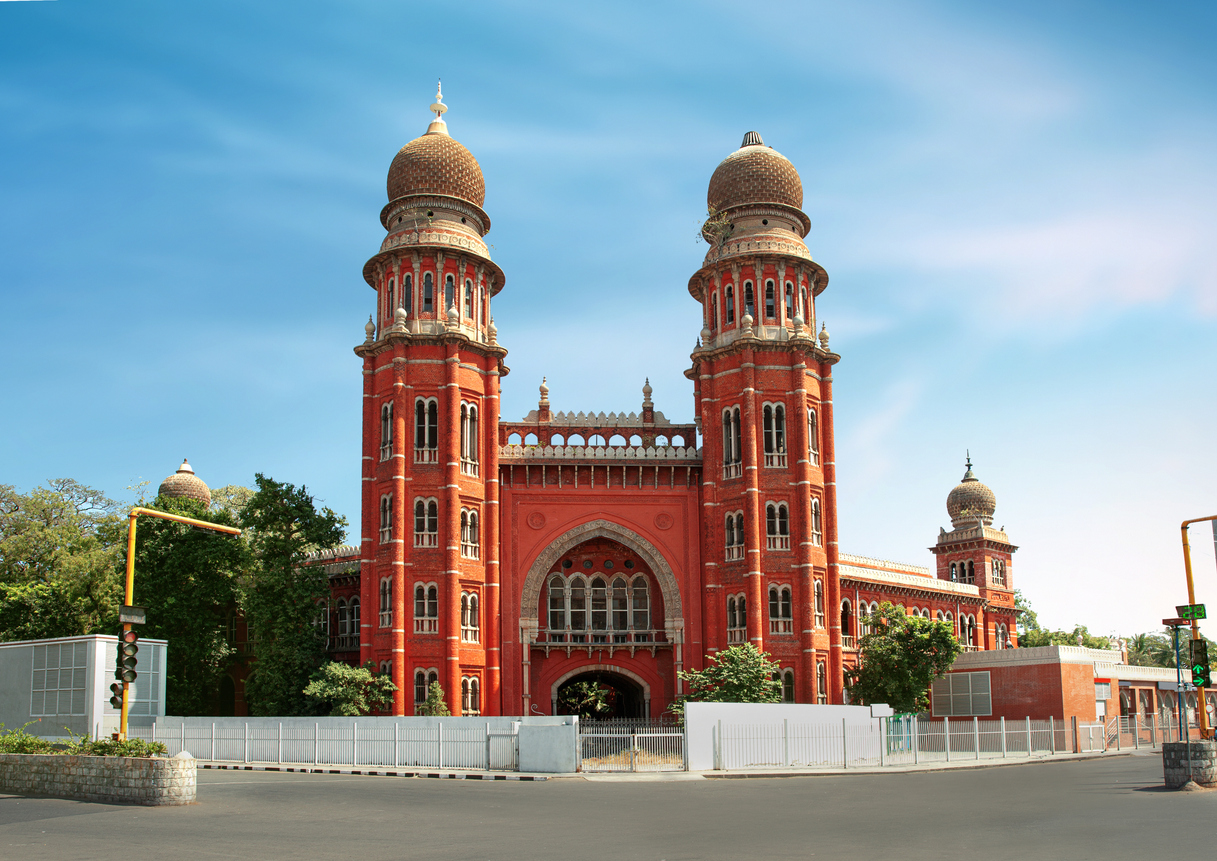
column 1026, row 619
column 187, row 579
column 588, row 700
column 1044, row 637
column 899, row 658
column 60, row 548
column 739, row 674
column 281, row 598
column 436, row 705
column 344, row 690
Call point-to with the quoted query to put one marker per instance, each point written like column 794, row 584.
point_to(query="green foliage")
column 1042, row 637
column 60, row 552
column 17, row 740
column 111, row 747
column 1026, row 619
column 187, row 577
column 900, row 657
column 739, row 674
column 280, row 597
column 352, row 691
column 435, row 706
column 588, row 700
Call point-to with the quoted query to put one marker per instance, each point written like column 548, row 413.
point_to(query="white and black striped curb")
column 441, row 775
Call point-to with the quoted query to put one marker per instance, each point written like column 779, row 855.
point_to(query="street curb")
column 440, row 775
column 962, row 766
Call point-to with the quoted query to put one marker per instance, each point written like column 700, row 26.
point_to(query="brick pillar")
column 492, row 696
column 797, row 446
column 367, row 546
column 450, row 530
column 752, row 505
column 401, row 528
column 828, row 512
column 713, row 616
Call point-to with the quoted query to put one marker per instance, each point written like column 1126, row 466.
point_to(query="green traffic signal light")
column 1200, row 663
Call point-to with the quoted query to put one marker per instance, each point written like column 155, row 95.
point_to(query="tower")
column 431, row 368
column 763, row 391
column 974, row 552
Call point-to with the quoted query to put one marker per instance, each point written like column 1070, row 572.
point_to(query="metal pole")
column 786, row 742
column 1052, row 734
column 213, row 741
column 976, row 736
column 916, row 741
column 946, row 736
column 844, row 745
column 1180, row 705
column 183, row 747
column 1203, row 717
column 316, row 743
column 247, row 741
column 395, row 744
column 1028, row 735
column 439, row 736
column 1136, row 732
column 1003, row 737
column 354, row 743
column 279, row 755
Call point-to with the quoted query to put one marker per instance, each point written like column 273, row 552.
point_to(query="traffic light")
column 1200, row 663
column 128, row 647
column 116, row 695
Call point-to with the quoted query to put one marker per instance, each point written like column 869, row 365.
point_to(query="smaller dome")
column 754, row 174
column 970, row 501
column 184, row 484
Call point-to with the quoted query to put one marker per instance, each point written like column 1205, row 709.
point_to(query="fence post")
column 718, row 748
column 1003, row 737
column 1119, row 734
column 354, row 743
column 633, row 750
column 1073, row 719
column 916, row 740
column 395, row 745
column 1153, row 731
column 844, row 744
column 882, row 740
column 439, row 736
column 279, row 755
column 946, row 736
column 976, row 736
column 1136, row 732
column 213, row 741
column 786, row 742
column 183, row 735
column 247, row 741
column 1052, row 735
column 1028, row 735
column 316, row 743
column 154, row 731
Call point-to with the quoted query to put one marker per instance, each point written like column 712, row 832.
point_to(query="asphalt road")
column 1103, row 809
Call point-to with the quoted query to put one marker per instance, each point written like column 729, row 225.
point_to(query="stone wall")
column 1204, row 763
column 114, row 779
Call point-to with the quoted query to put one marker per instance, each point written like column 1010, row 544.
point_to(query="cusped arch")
column 544, row 563
column 601, row 668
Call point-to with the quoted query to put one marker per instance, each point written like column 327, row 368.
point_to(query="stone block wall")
column 1175, row 765
column 114, row 779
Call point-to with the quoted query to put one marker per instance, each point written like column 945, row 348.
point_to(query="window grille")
column 817, row 532
column 819, row 603
column 426, row 430
column 59, row 680
column 773, row 419
column 734, row 535
column 737, row 619
column 777, row 526
column 962, row 695
column 386, row 518
column 781, row 620
column 426, row 608
column 386, row 431
column 386, row 603
column 426, row 523
column 470, row 629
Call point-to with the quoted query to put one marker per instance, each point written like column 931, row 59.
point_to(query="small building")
column 63, row 685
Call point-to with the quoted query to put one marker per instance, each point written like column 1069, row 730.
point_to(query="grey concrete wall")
column 549, row 749
column 114, row 779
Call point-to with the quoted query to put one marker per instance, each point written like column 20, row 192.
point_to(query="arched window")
column 621, row 609
column 641, row 600
column 426, row 430
column 322, row 619
column 471, row 696
column 468, row 300
column 386, row 518
column 821, row 683
column 578, row 609
column 354, row 605
column 465, row 696
column 426, row 608
column 819, row 603
column 420, row 687
column 420, row 601
column 773, row 427
column 386, row 431
column 432, row 601
column 730, row 304
column 789, row 301
column 734, row 529
column 780, row 614
column 813, row 437
column 771, row 310
column 428, row 294
column 599, row 609
column 817, row 532
column 386, row 603
column 470, row 540
column 557, row 609
column 713, row 321
column 777, row 526
column 737, row 619
column 469, row 439
column 344, row 618
column 732, row 451
column 449, row 290
column 390, row 303
column 788, row 686
column 426, row 522
column 470, row 626
column 749, row 301
column 407, row 293
column 847, row 624
column 970, row 577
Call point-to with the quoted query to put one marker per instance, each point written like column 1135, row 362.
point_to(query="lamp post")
column 129, row 590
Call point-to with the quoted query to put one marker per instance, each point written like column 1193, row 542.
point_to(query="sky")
column 1011, row 204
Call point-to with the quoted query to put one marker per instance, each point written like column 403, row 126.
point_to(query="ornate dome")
column 184, row 484
column 970, row 501
column 436, row 164
column 754, row 173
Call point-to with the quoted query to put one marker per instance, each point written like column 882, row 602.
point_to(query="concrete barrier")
column 114, row 779
column 1203, row 768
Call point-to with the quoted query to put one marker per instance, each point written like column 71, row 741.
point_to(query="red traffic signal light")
column 128, row 648
column 131, row 636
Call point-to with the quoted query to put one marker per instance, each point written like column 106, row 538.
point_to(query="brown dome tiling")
column 752, row 174
column 184, row 484
column 436, row 164
column 971, row 501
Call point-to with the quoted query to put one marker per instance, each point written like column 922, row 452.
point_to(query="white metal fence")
column 458, row 743
column 631, row 746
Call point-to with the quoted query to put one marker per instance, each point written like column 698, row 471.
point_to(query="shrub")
column 17, row 740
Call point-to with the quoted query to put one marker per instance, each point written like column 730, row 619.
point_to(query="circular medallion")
column 536, row 520
column 663, row 520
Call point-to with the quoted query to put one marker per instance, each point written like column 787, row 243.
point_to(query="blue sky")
column 1011, row 205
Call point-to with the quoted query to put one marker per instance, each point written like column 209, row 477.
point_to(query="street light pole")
column 129, row 590
column 1201, row 704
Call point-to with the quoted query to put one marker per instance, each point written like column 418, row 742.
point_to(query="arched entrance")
column 601, row 692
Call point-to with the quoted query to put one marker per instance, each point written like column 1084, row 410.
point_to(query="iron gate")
column 631, row 745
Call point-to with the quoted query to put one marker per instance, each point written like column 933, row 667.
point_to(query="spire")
column 438, row 126
column 752, row 139
column 968, row 476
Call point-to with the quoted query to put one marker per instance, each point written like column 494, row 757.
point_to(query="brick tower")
column 431, row 368
column 763, row 391
column 974, row 552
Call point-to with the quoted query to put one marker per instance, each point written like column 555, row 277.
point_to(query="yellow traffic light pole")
column 129, row 592
column 1201, row 706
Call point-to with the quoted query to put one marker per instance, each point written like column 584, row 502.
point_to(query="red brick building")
column 507, row 559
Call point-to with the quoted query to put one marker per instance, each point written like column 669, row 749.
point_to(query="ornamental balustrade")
column 600, row 452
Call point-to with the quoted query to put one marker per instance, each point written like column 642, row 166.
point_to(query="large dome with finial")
column 970, row 501
column 437, row 164
column 184, row 484
column 754, row 174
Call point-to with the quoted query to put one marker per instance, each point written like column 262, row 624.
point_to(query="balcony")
column 847, row 641
column 343, row 643
column 426, row 626
column 735, row 553
column 426, row 455
column 737, row 635
column 630, row 640
column 469, row 467
column 777, row 542
column 426, row 539
column 781, row 626
column 733, row 470
column 386, row 452
column 774, row 461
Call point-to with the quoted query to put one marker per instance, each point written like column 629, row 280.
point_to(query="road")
column 1103, row 809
